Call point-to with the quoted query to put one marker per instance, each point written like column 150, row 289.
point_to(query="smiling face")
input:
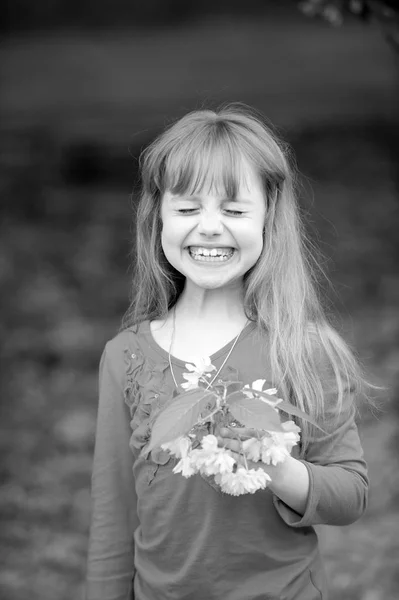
column 213, row 239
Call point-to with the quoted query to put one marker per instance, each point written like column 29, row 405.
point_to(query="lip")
column 210, row 246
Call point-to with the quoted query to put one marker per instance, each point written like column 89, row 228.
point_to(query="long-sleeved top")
column 156, row 535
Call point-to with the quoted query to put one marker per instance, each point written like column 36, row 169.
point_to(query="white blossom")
column 252, row 449
column 185, row 467
column 224, row 462
column 198, row 369
column 210, row 443
column 288, row 438
column 291, row 434
column 210, row 459
column 243, row 481
column 271, row 391
column 192, row 381
column 272, row 452
column 257, row 386
column 291, row 426
column 178, row 447
column 213, row 463
column 270, row 447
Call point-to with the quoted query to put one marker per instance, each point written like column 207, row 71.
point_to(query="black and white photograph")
column 199, row 252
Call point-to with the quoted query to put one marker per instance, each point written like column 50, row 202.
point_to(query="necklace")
column 224, row 362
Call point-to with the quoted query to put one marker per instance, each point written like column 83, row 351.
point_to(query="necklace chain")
column 171, row 344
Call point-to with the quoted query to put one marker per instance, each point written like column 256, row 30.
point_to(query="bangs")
column 206, row 155
column 211, row 162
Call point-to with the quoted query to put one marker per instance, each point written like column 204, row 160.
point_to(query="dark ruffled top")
column 156, row 534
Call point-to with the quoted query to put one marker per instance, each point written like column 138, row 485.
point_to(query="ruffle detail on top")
column 145, row 393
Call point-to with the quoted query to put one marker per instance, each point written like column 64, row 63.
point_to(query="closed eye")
column 188, row 211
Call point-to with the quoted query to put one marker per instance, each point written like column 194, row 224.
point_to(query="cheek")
column 253, row 238
column 167, row 233
column 166, row 241
column 171, row 242
column 254, row 245
column 174, row 236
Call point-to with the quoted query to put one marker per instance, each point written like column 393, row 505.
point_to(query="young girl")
column 221, row 270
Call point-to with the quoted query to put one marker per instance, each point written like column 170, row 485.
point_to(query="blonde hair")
column 310, row 362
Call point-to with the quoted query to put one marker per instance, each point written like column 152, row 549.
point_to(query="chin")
column 214, row 284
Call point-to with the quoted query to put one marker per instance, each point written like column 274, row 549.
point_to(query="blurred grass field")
column 74, row 103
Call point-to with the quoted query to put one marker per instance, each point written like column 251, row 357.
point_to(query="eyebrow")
column 199, row 199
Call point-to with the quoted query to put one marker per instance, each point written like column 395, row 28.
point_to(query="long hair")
column 309, row 359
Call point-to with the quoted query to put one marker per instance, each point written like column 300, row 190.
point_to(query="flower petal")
column 185, row 467
column 258, row 384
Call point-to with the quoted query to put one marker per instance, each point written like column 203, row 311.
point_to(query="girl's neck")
column 200, row 324
column 210, row 306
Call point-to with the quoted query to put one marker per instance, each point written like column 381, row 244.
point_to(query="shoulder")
column 121, row 349
column 325, row 346
column 125, row 340
column 316, row 337
column 336, row 367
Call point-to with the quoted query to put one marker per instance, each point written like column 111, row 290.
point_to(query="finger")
column 241, row 432
column 226, row 432
column 229, row 444
column 247, row 432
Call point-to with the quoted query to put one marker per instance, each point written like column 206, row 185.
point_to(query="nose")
column 210, row 223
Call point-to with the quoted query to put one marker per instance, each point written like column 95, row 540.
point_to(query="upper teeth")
column 211, row 251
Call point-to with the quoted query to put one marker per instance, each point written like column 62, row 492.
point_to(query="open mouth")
column 215, row 255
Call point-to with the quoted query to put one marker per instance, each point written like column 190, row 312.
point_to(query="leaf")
column 232, row 386
column 270, row 397
column 253, row 412
column 179, row 416
column 175, row 396
column 227, row 383
column 289, row 408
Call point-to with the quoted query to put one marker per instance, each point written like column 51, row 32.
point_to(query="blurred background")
column 85, row 86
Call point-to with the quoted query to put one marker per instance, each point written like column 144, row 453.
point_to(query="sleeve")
column 338, row 478
column 110, row 565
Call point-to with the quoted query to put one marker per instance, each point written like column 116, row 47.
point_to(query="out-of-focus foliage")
column 40, row 15
column 386, row 12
